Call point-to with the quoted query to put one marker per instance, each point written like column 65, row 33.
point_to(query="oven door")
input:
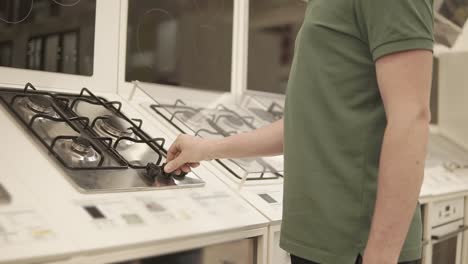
column 447, row 243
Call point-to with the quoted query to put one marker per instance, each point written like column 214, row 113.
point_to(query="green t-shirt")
column 335, row 121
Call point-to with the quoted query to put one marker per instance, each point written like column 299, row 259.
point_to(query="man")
column 355, row 133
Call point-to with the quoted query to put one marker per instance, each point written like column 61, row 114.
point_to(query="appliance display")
column 216, row 122
column 222, row 116
column 100, row 148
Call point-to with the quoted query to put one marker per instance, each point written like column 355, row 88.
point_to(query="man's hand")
column 404, row 82
column 186, row 153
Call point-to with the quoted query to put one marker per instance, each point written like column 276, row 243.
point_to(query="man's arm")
column 187, row 151
column 404, row 81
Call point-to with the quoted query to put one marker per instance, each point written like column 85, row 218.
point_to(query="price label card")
column 23, row 226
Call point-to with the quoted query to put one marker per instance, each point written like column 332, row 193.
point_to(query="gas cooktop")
column 98, row 146
column 223, row 121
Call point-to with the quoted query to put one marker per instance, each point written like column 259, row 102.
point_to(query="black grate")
column 65, row 119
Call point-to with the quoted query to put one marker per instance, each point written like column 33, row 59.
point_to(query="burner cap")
column 116, row 127
column 39, row 104
column 81, row 145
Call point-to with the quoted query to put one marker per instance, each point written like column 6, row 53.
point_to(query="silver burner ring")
column 81, row 146
column 79, row 152
column 115, row 126
column 39, row 104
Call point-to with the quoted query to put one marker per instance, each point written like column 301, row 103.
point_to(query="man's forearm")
column 265, row 141
column 400, row 179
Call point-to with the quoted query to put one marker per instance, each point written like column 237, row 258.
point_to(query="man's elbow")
column 423, row 115
column 411, row 117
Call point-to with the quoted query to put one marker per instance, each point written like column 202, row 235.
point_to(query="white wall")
column 462, row 42
column 453, row 96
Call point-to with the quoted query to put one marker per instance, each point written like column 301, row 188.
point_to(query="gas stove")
column 221, row 121
column 98, row 146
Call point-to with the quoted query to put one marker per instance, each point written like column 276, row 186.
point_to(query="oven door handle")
column 436, row 239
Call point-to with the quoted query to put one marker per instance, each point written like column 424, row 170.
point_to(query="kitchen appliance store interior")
column 94, row 92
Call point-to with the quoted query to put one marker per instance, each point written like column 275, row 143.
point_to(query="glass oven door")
column 447, row 251
column 447, row 248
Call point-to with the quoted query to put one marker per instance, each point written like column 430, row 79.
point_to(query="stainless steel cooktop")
column 98, row 146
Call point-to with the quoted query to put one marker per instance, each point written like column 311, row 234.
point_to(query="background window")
column 48, row 35
column 450, row 18
column 273, row 26
column 180, row 42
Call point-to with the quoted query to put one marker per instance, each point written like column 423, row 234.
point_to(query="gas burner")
column 79, row 152
column 81, row 145
column 114, row 126
column 39, row 104
column 36, row 104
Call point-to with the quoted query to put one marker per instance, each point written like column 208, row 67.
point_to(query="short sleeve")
column 392, row 26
